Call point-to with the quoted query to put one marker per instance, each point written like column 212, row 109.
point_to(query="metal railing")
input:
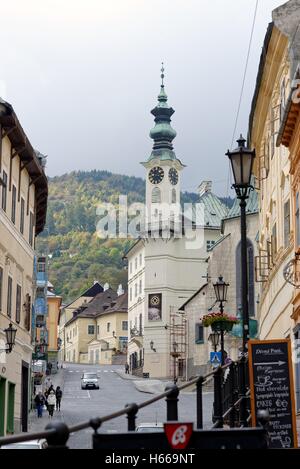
column 226, row 410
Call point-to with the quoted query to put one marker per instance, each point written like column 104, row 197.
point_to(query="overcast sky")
column 83, row 75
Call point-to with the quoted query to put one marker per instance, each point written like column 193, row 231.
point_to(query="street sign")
column 272, row 389
column 178, row 434
column 215, row 359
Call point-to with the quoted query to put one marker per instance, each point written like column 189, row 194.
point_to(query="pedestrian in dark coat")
column 39, row 402
column 58, row 394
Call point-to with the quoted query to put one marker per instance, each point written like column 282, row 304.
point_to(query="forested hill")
column 77, row 256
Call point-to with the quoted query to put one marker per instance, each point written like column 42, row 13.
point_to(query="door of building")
column 2, row 405
column 24, row 396
column 10, row 408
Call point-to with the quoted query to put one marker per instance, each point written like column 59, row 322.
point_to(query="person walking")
column 58, row 394
column 51, row 402
column 127, row 369
column 39, row 402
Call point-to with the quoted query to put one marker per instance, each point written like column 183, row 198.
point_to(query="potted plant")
column 220, row 321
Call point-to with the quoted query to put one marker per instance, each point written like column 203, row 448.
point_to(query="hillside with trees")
column 77, row 256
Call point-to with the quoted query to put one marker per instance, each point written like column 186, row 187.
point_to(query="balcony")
column 40, row 321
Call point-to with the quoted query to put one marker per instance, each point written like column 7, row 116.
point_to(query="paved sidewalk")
column 37, row 425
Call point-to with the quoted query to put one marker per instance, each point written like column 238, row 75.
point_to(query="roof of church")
column 214, row 210
column 163, row 133
column 252, row 206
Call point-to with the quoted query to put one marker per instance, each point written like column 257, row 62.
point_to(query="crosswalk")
column 96, row 371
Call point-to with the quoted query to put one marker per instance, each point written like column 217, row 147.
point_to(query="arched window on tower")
column 174, row 196
column 156, row 196
column 251, row 277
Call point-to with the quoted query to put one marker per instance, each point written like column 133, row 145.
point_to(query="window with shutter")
column 199, row 334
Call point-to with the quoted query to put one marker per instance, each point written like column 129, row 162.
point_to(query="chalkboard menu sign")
column 272, row 389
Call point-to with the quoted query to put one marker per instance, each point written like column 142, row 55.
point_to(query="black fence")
column 231, row 409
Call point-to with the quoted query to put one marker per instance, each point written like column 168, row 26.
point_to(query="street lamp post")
column 241, row 161
column 221, row 289
column 214, row 338
column 10, row 334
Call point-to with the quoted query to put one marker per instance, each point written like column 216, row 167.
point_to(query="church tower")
column 163, row 167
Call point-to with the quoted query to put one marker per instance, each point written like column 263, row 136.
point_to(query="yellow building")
column 98, row 330
column 111, row 338
column 67, row 313
column 54, row 304
column 23, row 204
column 272, row 170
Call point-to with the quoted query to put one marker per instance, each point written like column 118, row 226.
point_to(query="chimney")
column 205, row 188
column 106, row 286
column 120, row 290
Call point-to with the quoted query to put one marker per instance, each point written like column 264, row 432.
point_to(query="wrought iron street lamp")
column 221, row 289
column 10, row 333
column 214, row 339
column 242, row 163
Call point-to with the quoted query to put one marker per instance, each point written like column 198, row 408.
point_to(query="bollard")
column 172, row 403
column 59, row 439
column 131, row 416
column 199, row 390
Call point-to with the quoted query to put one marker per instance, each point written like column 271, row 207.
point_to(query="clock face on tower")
column 173, row 176
column 156, row 175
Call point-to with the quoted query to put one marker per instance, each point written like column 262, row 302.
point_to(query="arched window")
column 173, row 198
column 156, row 196
column 251, row 276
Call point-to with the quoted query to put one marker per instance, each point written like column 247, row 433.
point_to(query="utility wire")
column 243, row 87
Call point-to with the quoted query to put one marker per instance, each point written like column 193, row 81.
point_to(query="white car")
column 150, row 427
column 89, row 380
column 31, row 444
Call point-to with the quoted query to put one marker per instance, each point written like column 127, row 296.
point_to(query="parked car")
column 150, row 427
column 89, row 380
column 31, row 444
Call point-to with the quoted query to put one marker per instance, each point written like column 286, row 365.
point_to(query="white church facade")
column 168, row 263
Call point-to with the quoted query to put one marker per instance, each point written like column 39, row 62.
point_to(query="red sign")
column 178, row 434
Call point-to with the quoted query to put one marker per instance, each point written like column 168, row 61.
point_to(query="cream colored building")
column 67, row 313
column 168, row 263
column 111, row 334
column 98, row 330
column 224, row 260
column 272, row 170
column 23, row 203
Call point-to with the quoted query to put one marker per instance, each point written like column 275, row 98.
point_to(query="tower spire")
column 162, row 75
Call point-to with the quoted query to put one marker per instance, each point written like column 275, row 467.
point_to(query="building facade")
column 23, row 204
column 66, row 314
column 224, row 260
column 272, row 169
column 54, row 304
column 168, row 263
column 97, row 331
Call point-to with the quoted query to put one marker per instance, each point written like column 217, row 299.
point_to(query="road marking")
column 112, row 371
column 70, row 371
column 105, row 371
